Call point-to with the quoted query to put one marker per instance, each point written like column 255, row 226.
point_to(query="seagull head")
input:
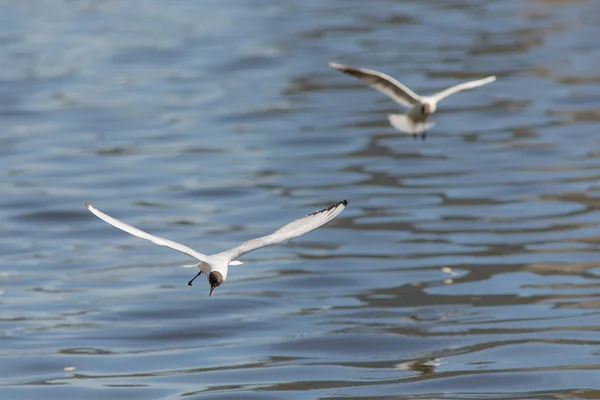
column 427, row 109
column 215, row 279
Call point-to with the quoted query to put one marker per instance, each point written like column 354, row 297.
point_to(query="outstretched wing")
column 294, row 229
column 382, row 83
column 462, row 86
column 144, row 235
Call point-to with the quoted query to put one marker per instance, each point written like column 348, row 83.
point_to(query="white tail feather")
column 236, row 262
column 190, row 266
column 405, row 124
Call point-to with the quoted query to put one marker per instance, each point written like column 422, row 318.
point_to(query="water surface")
column 465, row 266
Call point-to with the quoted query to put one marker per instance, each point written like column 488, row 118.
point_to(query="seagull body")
column 216, row 266
column 421, row 108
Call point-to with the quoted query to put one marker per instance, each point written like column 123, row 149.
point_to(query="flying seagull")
column 215, row 266
column 416, row 121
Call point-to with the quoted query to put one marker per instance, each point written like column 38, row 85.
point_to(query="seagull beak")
column 211, row 290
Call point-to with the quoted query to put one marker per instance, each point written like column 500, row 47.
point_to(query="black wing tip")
column 88, row 205
column 336, row 205
column 331, row 207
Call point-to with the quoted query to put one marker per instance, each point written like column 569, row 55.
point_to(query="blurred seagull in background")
column 416, row 121
column 215, row 266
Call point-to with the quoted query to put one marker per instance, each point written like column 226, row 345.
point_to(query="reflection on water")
column 465, row 266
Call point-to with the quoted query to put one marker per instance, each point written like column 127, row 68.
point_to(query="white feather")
column 144, row 235
column 293, row 229
column 462, row 86
column 382, row 83
column 406, row 124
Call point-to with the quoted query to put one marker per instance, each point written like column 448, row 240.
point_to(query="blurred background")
column 466, row 266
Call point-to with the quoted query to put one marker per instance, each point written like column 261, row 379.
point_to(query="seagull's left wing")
column 382, row 83
column 132, row 230
column 462, row 86
column 294, row 229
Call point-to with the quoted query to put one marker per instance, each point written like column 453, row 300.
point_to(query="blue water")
column 465, row 266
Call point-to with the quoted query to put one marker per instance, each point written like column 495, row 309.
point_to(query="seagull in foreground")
column 215, row 266
column 421, row 107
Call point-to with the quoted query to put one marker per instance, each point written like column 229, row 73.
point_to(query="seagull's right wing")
column 462, row 86
column 382, row 83
column 141, row 234
column 294, row 229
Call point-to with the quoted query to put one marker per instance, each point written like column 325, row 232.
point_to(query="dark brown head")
column 426, row 109
column 215, row 279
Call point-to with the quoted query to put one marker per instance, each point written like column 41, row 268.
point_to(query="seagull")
column 215, row 266
column 416, row 121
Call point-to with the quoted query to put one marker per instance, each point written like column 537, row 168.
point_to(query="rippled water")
column 465, row 266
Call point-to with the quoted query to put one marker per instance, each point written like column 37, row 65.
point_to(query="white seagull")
column 421, row 107
column 215, row 266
